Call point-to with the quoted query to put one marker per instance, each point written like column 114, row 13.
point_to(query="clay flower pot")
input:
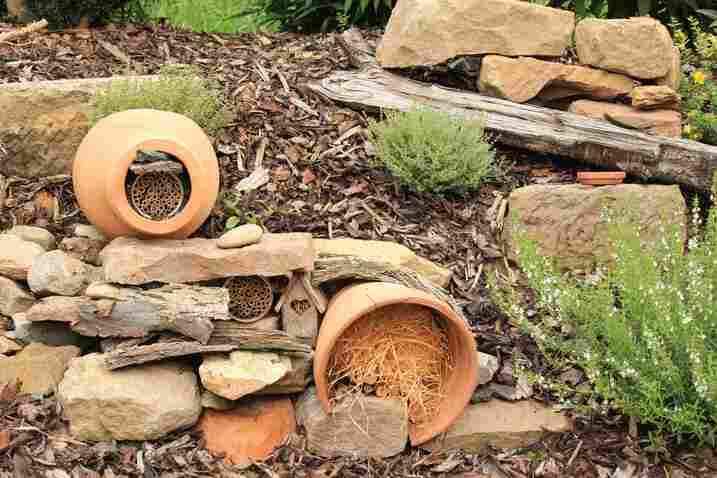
column 102, row 167
column 354, row 302
column 600, row 178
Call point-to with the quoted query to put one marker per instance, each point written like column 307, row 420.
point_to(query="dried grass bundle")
column 399, row 351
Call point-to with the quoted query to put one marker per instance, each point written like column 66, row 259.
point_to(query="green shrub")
column 644, row 331
column 698, row 90
column 430, row 151
column 179, row 89
column 204, row 16
column 67, row 13
column 321, row 15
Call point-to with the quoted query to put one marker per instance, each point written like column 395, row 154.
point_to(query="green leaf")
column 232, row 222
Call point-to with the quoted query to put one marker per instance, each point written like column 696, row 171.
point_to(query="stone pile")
column 111, row 329
column 628, row 71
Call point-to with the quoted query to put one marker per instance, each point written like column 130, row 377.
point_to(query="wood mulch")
column 323, row 180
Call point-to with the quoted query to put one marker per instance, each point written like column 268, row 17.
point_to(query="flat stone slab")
column 135, row 261
column 500, row 424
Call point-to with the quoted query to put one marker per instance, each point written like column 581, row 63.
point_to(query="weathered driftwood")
column 247, row 338
column 596, row 142
column 112, row 311
column 329, row 269
column 160, row 351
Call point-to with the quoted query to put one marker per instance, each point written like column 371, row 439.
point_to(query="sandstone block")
column 655, row 97
column 357, row 427
column 14, row 297
column 640, row 47
column 242, row 372
column 522, row 79
column 568, row 220
column 501, row 425
column 38, row 367
column 83, row 249
column 135, row 261
column 43, row 123
column 429, row 32
column 41, row 237
column 655, row 122
column 137, row 403
column 16, row 256
column 57, row 273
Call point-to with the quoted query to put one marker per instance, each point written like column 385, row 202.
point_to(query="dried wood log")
column 299, row 314
column 329, row 269
column 111, row 311
column 596, row 142
column 31, row 28
column 247, row 338
column 159, row 351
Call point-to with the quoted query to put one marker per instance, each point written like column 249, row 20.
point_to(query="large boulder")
column 136, row 261
column 500, row 424
column 136, row 403
column 428, row 32
column 363, row 426
column 656, row 122
column 242, row 372
column 673, row 79
column 249, row 432
column 569, row 224
column 43, row 123
column 639, row 47
column 16, row 255
column 391, row 253
column 38, row 367
column 522, row 79
column 14, row 297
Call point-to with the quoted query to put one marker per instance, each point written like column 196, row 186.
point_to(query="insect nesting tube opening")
column 157, row 185
column 250, row 298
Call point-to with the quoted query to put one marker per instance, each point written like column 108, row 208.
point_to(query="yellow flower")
column 698, row 77
column 687, row 129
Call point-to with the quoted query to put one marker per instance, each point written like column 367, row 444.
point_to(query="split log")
column 247, row 338
column 111, row 311
column 329, row 269
column 160, row 351
column 600, row 143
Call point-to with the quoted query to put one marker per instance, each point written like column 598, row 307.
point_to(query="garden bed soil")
column 322, row 180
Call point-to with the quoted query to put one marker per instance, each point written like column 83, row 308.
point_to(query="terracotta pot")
column 354, row 302
column 102, row 163
column 600, row 178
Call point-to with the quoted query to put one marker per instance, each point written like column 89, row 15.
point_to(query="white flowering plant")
column 643, row 328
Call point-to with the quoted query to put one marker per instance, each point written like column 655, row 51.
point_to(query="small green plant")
column 235, row 216
column 698, row 90
column 204, row 16
column 644, row 330
column 179, row 89
column 430, row 151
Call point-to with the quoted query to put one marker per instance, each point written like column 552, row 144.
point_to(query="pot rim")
column 117, row 195
column 465, row 374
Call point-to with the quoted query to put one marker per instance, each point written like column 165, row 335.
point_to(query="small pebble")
column 241, row 236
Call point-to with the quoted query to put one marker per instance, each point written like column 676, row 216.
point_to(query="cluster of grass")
column 178, row 90
column 222, row 16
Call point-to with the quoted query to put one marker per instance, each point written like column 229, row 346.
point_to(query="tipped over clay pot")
column 354, row 302
column 167, row 204
column 600, row 178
